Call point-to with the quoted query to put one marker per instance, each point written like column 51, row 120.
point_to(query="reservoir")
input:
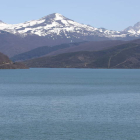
column 70, row 104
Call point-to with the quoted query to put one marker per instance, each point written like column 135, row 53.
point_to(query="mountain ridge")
column 51, row 30
column 43, row 26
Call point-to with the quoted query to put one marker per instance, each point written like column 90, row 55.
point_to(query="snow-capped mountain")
column 57, row 25
column 134, row 30
column 55, row 29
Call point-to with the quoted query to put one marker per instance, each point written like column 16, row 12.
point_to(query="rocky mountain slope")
column 133, row 30
column 55, row 25
column 55, row 29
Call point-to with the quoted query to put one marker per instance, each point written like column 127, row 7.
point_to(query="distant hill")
column 42, row 51
column 90, row 46
column 6, row 63
column 121, row 56
column 66, row 48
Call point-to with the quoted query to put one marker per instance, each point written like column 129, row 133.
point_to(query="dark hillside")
column 66, row 48
column 42, row 51
column 122, row 56
column 6, row 63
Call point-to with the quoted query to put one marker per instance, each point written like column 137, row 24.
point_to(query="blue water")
column 69, row 104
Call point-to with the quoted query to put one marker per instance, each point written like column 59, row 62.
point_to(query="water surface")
column 69, row 104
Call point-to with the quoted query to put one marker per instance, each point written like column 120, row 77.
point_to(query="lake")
column 69, row 104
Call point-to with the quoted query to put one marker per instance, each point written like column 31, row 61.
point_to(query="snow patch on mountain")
column 133, row 30
column 58, row 25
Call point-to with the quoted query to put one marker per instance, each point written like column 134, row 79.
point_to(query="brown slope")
column 94, row 46
column 11, row 44
column 89, row 46
column 4, row 59
column 6, row 63
column 121, row 56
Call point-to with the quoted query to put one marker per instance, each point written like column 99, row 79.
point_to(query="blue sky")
column 110, row 14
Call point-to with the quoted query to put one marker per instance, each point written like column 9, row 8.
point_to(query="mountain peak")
column 55, row 16
column 137, row 26
column 134, row 29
